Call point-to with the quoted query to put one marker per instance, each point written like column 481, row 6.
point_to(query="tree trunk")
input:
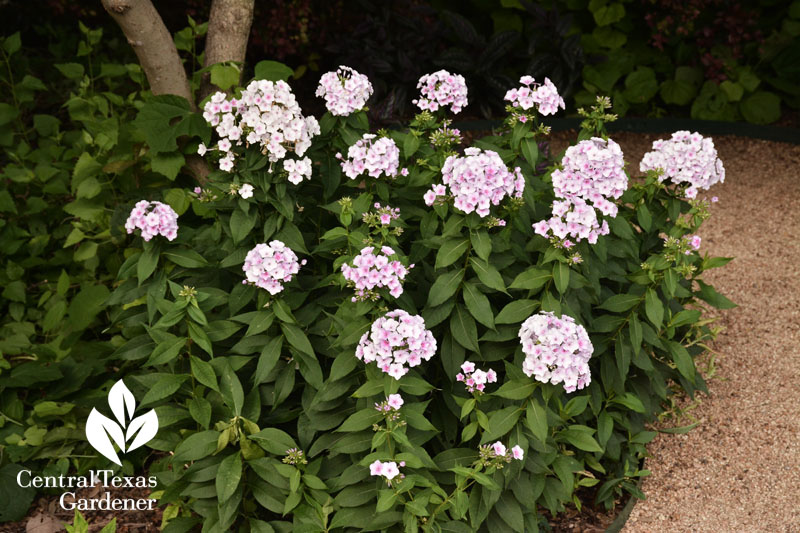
column 153, row 44
column 228, row 32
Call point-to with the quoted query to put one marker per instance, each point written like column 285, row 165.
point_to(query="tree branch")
column 152, row 42
column 228, row 32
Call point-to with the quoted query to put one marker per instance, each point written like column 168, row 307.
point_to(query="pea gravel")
column 739, row 470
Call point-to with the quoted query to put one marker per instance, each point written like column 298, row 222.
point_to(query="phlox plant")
column 340, row 392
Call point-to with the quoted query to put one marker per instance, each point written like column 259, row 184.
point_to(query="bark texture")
column 228, row 32
column 152, row 42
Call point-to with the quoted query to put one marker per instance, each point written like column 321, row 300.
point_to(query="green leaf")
column 654, row 308
column 510, row 512
column 224, row 76
column 561, row 277
column 621, row 302
column 166, row 351
column 630, row 401
column 360, row 420
column 203, row 372
column 516, row 312
column 478, row 305
column 450, row 251
column 228, row 476
column 14, row 499
column 605, row 15
column 582, row 440
column 386, row 500
column 12, row 43
column 199, row 336
column 530, row 150
column 231, row 390
column 635, row 331
column 687, row 316
column 241, row 225
column 167, row 163
column 501, row 422
column 268, row 359
column 196, row 446
column 463, row 328
column 481, row 243
column 531, row 279
column 200, row 409
column 272, row 71
column 677, row 92
column 297, row 338
column 6, row 202
column 156, row 120
column 710, row 295
column 185, row 257
column 682, row 360
column 178, row 199
column 410, row 144
column 166, row 385
column 605, row 425
column 517, row 389
column 274, row 440
column 640, row 85
column 445, row 287
column 761, row 107
column 292, row 237
column 147, row 263
column 488, row 274
column 86, row 305
column 536, row 419
column 733, row 90
column 72, row 71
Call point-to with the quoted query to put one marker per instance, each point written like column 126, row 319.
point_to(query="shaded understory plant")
column 389, row 343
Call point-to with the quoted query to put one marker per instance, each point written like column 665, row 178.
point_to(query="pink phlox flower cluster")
column 375, row 157
column 544, row 96
column 387, row 213
column 393, row 402
column 345, row 90
column 445, row 136
column 397, row 341
column 297, row 169
column 373, row 269
column 572, row 218
column 686, row 158
column 442, row 89
column 266, row 114
column 271, row 265
column 475, row 379
column 497, row 453
column 593, row 170
column 694, row 242
column 153, row 218
column 388, row 470
column 557, row 350
column 476, row 181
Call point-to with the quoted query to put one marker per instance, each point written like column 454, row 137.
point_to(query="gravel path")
column 739, row 471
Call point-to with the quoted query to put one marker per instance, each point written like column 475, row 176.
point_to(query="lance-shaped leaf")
column 148, row 423
column 98, row 428
column 120, row 398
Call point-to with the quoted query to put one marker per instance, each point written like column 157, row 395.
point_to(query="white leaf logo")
column 101, row 430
